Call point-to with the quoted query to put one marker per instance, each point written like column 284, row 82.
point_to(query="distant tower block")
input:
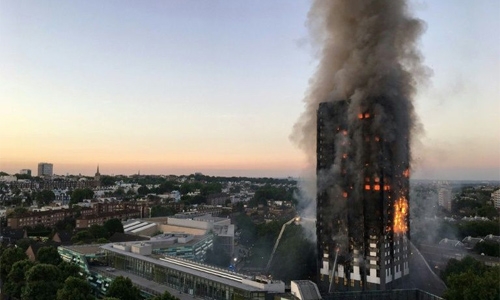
column 362, row 202
column 45, row 169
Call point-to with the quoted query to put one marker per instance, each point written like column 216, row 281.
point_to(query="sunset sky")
column 183, row 86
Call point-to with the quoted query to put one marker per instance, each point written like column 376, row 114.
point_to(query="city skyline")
column 183, row 87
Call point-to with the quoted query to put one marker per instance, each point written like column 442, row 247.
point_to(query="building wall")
column 45, row 169
column 45, row 218
column 187, row 283
column 444, row 198
column 363, row 184
column 89, row 220
column 495, row 197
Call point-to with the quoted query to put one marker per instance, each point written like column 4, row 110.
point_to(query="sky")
column 183, row 86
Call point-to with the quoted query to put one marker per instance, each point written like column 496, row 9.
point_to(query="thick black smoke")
column 367, row 51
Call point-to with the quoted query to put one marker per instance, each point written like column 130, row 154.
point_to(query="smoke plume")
column 367, row 52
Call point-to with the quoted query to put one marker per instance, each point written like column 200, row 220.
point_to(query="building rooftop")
column 307, row 290
column 85, row 249
column 214, row 274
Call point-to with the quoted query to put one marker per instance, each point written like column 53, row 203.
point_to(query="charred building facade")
column 362, row 199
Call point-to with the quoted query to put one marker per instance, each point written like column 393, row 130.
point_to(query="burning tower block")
column 362, row 199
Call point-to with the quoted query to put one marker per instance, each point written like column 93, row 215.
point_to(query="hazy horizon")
column 177, row 87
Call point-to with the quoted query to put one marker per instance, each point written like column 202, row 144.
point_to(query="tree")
column 119, row 192
column 79, row 195
column 68, row 223
column 143, row 190
column 470, row 285
column 18, row 211
column 99, row 231
column 17, row 278
column 107, row 180
column 22, row 176
column 75, row 289
column 162, row 211
column 165, row 296
column 294, row 246
column 211, row 188
column 83, row 236
column 24, row 243
column 42, row 282
column 48, row 255
column 488, row 248
column 123, row 289
column 470, row 279
column 113, row 225
column 45, row 197
column 9, row 257
column 459, row 266
column 69, row 270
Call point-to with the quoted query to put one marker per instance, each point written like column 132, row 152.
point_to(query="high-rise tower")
column 45, row 169
column 362, row 201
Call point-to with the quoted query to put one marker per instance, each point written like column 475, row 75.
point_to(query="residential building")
column 25, row 172
column 218, row 199
column 45, row 169
column 85, row 221
column 362, row 201
column 31, row 219
column 495, row 198
column 444, row 198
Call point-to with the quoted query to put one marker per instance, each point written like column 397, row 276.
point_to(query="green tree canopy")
column 42, row 282
column 9, row 257
column 470, row 279
column 16, row 279
column 107, row 180
column 470, row 285
column 45, row 197
column 24, row 243
column 84, row 237
column 143, row 190
column 490, row 248
column 113, row 225
column 123, row 289
column 69, row 270
column 99, row 231
column 162, row 211
column 48, row 255
column 268, row 192
column 79, row 195
column 75, row 289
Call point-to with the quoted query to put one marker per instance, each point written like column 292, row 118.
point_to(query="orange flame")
column 400, row 215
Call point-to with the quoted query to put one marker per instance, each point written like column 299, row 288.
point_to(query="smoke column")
column 367, row 51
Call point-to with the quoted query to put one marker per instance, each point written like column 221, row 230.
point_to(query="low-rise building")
column 31, row 219
column 85, row 221
column 154, row 274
